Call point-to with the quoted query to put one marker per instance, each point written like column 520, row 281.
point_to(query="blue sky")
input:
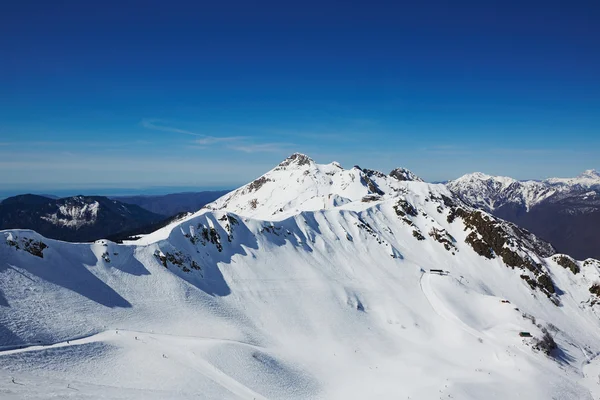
column 135, row 94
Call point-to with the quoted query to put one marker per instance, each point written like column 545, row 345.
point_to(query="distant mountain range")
column 76, row 219
column 563, row 211
column 172, row 204
column 89, row 218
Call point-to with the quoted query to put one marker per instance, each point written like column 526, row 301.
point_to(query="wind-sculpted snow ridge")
column 362, row 286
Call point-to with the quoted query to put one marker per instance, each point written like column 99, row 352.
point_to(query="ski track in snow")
column 438, row 306
column 119, row 335
column 591, row 376
column 106, row 335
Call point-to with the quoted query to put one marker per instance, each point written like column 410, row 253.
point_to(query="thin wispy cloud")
column 208, row 140
column 204, row 140
column 237, row 143
column 152, row 124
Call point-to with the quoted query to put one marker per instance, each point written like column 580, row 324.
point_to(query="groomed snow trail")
column 167, row 344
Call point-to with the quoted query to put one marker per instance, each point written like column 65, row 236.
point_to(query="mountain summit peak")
column 403, row 174
column 298, row 184
column 298, row 159
column 590, row 173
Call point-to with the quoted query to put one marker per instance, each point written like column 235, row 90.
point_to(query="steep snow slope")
column 325, row 302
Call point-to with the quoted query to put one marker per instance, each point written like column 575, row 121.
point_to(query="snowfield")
column 312, row 282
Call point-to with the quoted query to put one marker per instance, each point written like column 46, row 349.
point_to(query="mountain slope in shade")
column 564, row 211
column 336, row 302
column 78, row 218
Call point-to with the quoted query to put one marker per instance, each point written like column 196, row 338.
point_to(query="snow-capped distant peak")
column 590, row 173
column 480, row 176
column 74, row 215
column 588, row 178
column 490, row 192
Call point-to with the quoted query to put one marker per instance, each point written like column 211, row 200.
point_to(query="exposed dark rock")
column 546, row 343
column 443, row 237
column 448, row 202
column 371, row 197
column 258, row 183
column 372, row 172
column 298, row 159
column 546, row 283
column 452, row 215
column 492, row 238
column 177, row 259
column 566, row 262
column 31, row 246
column 403, row 174
column 373, row 188
column 418, row 235
column 407, row 221
column 403, row 208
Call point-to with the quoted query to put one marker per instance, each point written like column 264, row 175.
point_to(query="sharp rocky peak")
column 403, row 174
column 297, row 159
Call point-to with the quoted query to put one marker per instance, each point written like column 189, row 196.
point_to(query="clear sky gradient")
column 212, row 94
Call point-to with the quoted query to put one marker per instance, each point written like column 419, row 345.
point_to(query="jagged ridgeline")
column 564, row 211
column 309, row 270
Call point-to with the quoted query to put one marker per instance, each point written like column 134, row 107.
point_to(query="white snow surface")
column 330, row 298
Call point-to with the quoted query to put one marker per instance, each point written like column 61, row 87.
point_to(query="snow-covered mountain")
column 588, row 179
column 299, row 184
column 77, row 218
column 491, row 192
column 312, row 282
column 564, row 211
